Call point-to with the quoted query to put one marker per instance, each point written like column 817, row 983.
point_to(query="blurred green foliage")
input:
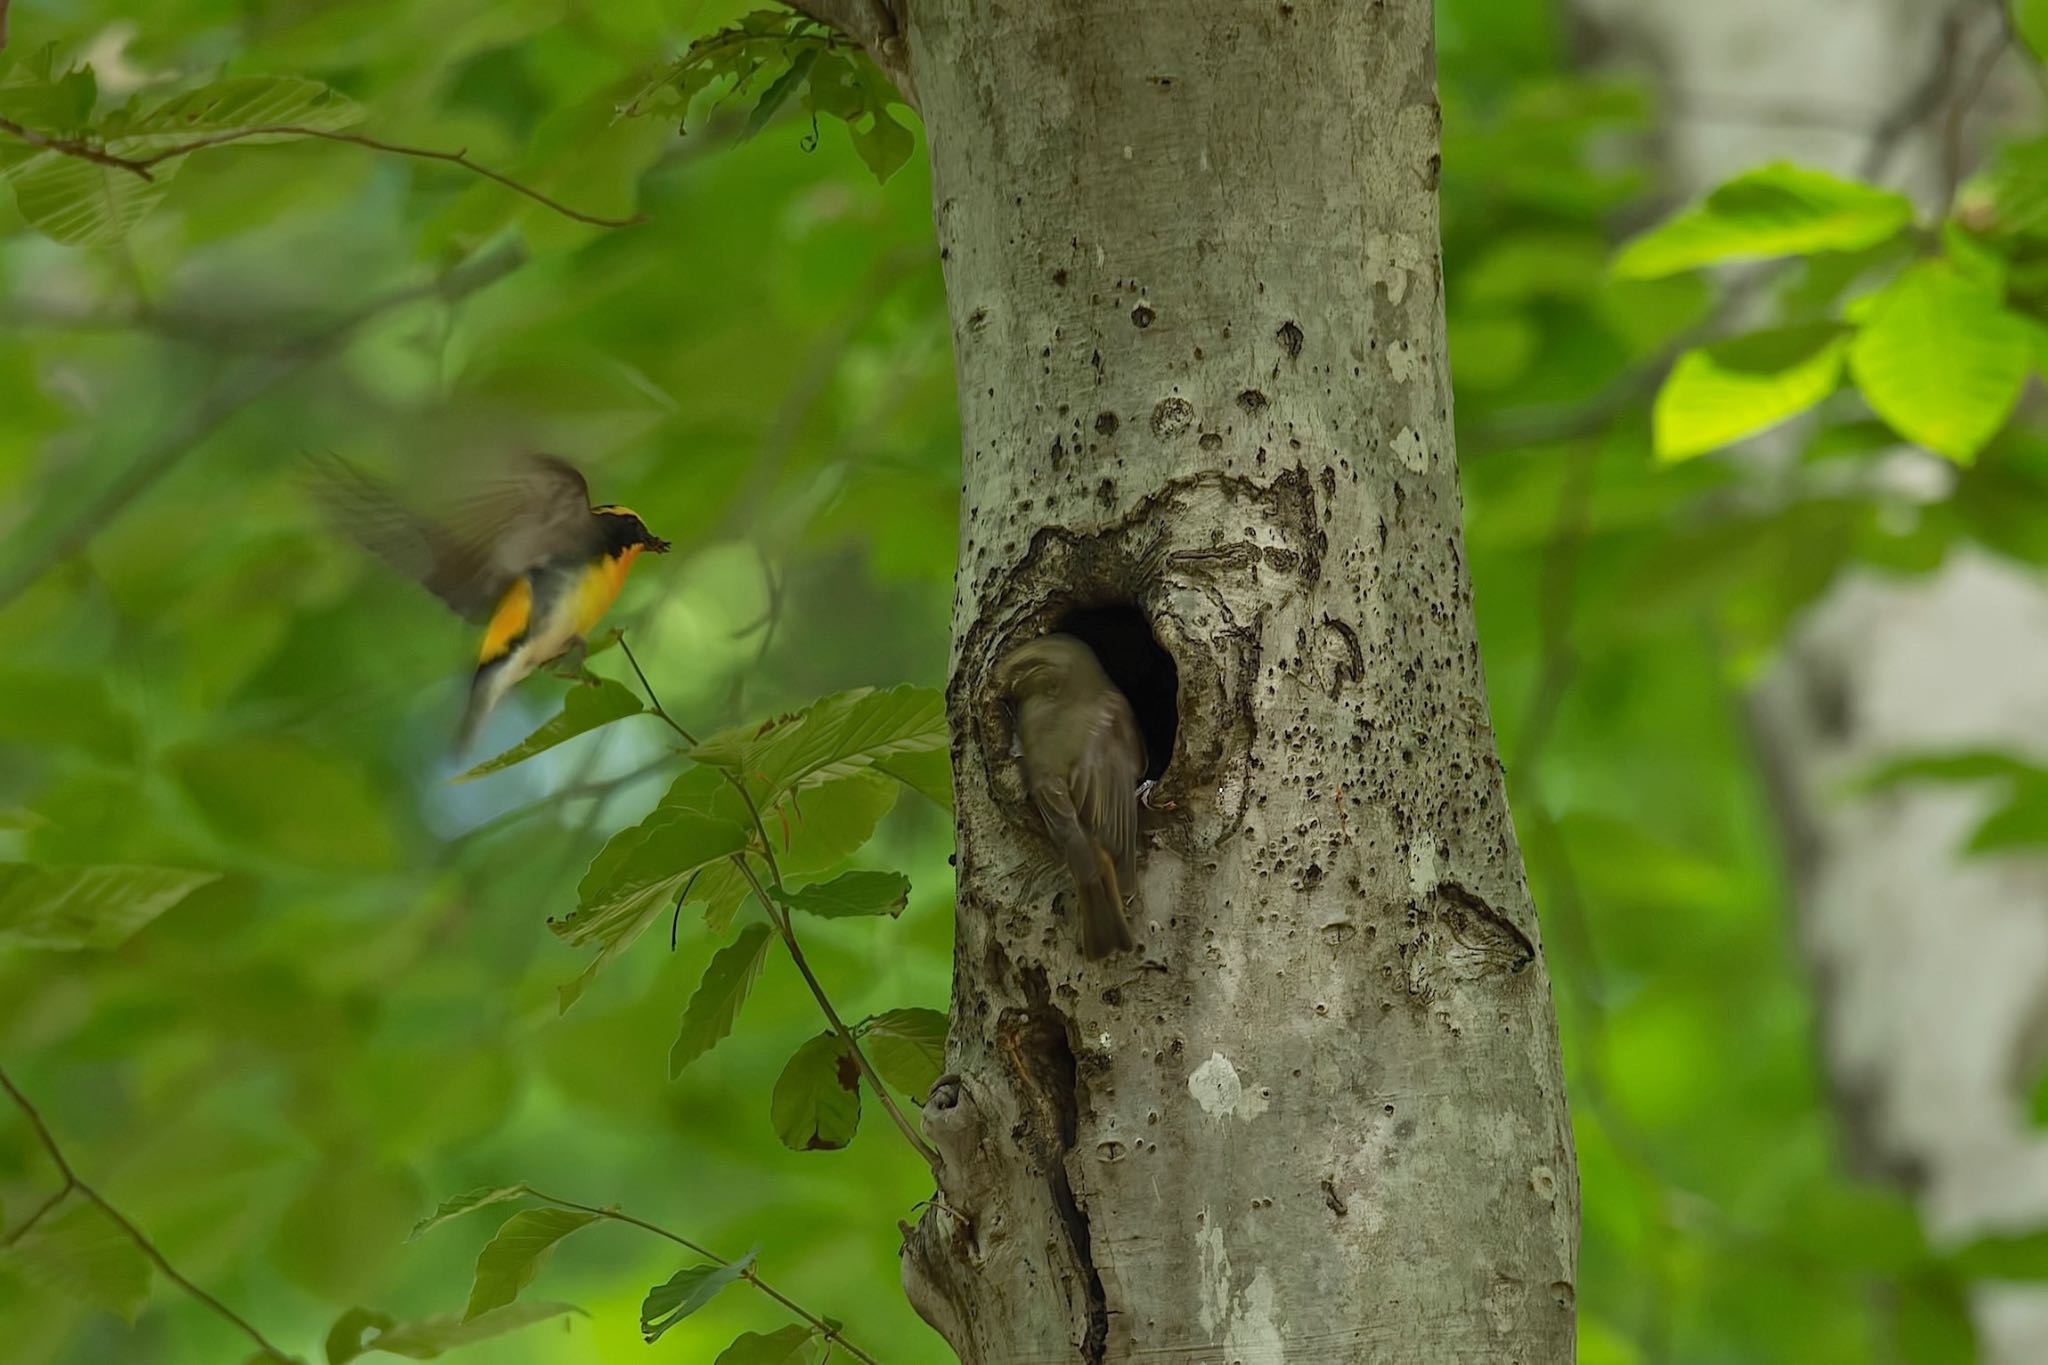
column 308, row 989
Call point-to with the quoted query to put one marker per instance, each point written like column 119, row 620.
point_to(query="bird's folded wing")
column 1105, row 782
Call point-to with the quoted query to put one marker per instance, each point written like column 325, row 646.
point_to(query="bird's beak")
column 658, row 545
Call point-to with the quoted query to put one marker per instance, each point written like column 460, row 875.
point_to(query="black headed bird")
column 522, row 554
column 1083, row 758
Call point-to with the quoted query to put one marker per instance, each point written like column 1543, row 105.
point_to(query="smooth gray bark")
column 1192, row 257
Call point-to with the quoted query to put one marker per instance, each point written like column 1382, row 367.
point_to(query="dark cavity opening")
column 1143, row 671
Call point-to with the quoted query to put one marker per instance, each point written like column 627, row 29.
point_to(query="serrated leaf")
column 87, row 907
column 584, row 709
column 1719, row 394
column 82, row 1254
column 907, row 1047
column 1776, row 210
column 812, row 832
column 516, row 1254
column 792, row 1345
column 238, row 104
column 834, row 737
column 468, row 1202
column 642, row 865
column 1942, row 361
column 684, row 1293
column 816, row 1102
column 715, row 1006
column 851, row 895
column 360, row 1331
column 778, row 92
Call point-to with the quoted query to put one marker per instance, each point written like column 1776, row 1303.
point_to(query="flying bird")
column 1083, row 758
column 523, row 554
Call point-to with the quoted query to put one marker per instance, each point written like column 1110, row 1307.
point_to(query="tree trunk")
column 1192, row 256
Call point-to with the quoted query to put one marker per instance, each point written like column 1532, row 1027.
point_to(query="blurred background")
column 1771, row 714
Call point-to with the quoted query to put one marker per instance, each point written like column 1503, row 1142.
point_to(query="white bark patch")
column 1388, row 262
column 1404, row 362
column 1422, row 865
column 1414, row 454
column 1254, row 1330
column 1215, row 1273
column 1216, row 1087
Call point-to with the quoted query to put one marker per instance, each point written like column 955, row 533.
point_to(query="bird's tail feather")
column 1099, row 899
column 491, row 682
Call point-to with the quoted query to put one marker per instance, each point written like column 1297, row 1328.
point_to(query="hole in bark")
column 1139, row 665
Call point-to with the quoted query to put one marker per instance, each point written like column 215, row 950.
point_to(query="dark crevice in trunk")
column 1037, row 1043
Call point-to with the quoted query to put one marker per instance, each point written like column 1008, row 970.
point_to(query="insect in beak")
column 658, row 545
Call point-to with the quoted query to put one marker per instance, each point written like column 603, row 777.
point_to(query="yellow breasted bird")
column 523, row 554
column 1083, row 757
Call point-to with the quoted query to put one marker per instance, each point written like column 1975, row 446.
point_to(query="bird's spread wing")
column 490, row 536
column 370, row 513
column 534, row 510
column 1105, row 781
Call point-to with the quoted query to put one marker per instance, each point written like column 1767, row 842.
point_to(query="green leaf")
column 516, row 1254
column 87, row 907
column 816, row 1102
column 1942, row 361
column 792, row 1345
column 1777, row 210
column 851, row 895
column 778, row 92
column 2021, row 822
column 74, row 710
column 2010, row 1256
column 929, row 774
column 83, row 203
column 684, row 1293
column 291, row 800
column 642, row 866
column 15, row 818
column 82, row 1254
column 2030, row 21
column 715, row 1006
column 235, row 105
column 1732, row 389
column 812, row 832
column 360, row 1331
column 481, row 1197
column 834, row 737
column 907, row 1048
column 584, row 709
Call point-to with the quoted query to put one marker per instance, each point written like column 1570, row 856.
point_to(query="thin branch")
column 830, row 1334
column 142, row 166
column 71, row 146
column 779, row 918
column 227, row 398
column 134, row 1234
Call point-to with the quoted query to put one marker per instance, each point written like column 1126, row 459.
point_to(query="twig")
column 780, row 920
column 872, row 24
column 229, row 397
column 825, row 1330
column 72, row 1182
column 142, row 166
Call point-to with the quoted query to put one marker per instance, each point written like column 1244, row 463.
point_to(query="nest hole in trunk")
column 1122, row 638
